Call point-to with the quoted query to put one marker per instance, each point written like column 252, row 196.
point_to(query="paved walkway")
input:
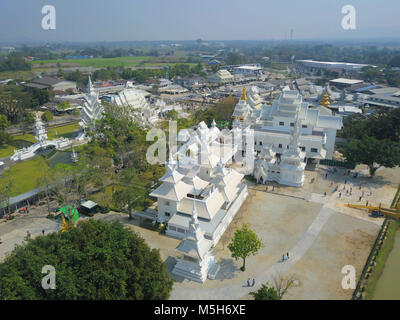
column 237, row 291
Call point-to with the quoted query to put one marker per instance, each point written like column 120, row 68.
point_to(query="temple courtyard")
column 320, row 234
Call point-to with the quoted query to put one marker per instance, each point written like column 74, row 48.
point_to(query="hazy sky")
column 119, row 20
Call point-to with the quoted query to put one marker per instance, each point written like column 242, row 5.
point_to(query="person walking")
column 248, row 282
column 283, row 257
column 43, row 232
column 254, row 282
column 287, row 254
column 325, row 194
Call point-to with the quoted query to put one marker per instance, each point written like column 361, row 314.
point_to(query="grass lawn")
column 18, row 142
column 63, row 131
column 25, row 175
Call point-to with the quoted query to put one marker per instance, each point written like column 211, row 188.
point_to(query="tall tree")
column 245, row 242
column 372, row 152
column 96, row 260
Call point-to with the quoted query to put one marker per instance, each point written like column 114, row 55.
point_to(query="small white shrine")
column 196, row 262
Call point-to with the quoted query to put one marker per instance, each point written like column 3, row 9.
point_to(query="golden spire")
column 64, row 224
column 244, row 94
column 325, row 100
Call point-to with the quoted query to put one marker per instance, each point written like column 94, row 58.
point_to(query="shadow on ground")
column 228, row 269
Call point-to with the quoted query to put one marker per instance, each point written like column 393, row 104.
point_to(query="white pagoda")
column 40, row 130
column 288, row 169
column 92, row 109
column 292, row 163
column 196, row 261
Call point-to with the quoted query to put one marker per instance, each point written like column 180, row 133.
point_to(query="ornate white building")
column 92, row 109
column 42, row 142
column 199, row 196
column 200, row 174
column 273, row 125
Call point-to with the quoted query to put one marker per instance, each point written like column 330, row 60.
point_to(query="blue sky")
column 120, row 20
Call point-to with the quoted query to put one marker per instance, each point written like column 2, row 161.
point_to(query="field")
column 108, row 62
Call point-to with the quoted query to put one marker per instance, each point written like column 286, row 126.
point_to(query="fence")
column 362, row 283
column 337, row 163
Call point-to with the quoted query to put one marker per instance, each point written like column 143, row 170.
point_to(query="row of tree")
column 373, row 140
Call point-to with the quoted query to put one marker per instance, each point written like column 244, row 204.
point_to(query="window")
column 167, row 203
column 172, row 228
column 280, row 146
column 303, row 148
column 304, row 126
column 314, row 150
column 281, row 123
column 260, row 143
column 292, row 124
column 167, row 214
column 181, row 230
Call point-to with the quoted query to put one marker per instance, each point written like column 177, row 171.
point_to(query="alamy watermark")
column 49, row 280
column 349, row 280
column 49, row 20
column 349, row 20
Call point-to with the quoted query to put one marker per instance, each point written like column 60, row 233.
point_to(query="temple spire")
column 90, row 85
column 244, row 98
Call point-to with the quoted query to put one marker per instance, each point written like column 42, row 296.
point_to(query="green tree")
column 63, row 105
column 47, row 116
column 372, row 152
column 265, row 293
column 7, row 189
column 245, row 242
column 96, row 260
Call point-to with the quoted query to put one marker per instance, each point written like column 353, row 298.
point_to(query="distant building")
column 252, row 70
column 312, row 66
column 221, row 76
column 386, row 91
column 380, row 100
column 53, row 84
column 348, row 84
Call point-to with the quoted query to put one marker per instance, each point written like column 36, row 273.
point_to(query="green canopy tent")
column 70, row 213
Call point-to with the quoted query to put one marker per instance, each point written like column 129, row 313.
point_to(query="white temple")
column 200, row 177
column 41, row 142
column 92, row 109
column 273, row 125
